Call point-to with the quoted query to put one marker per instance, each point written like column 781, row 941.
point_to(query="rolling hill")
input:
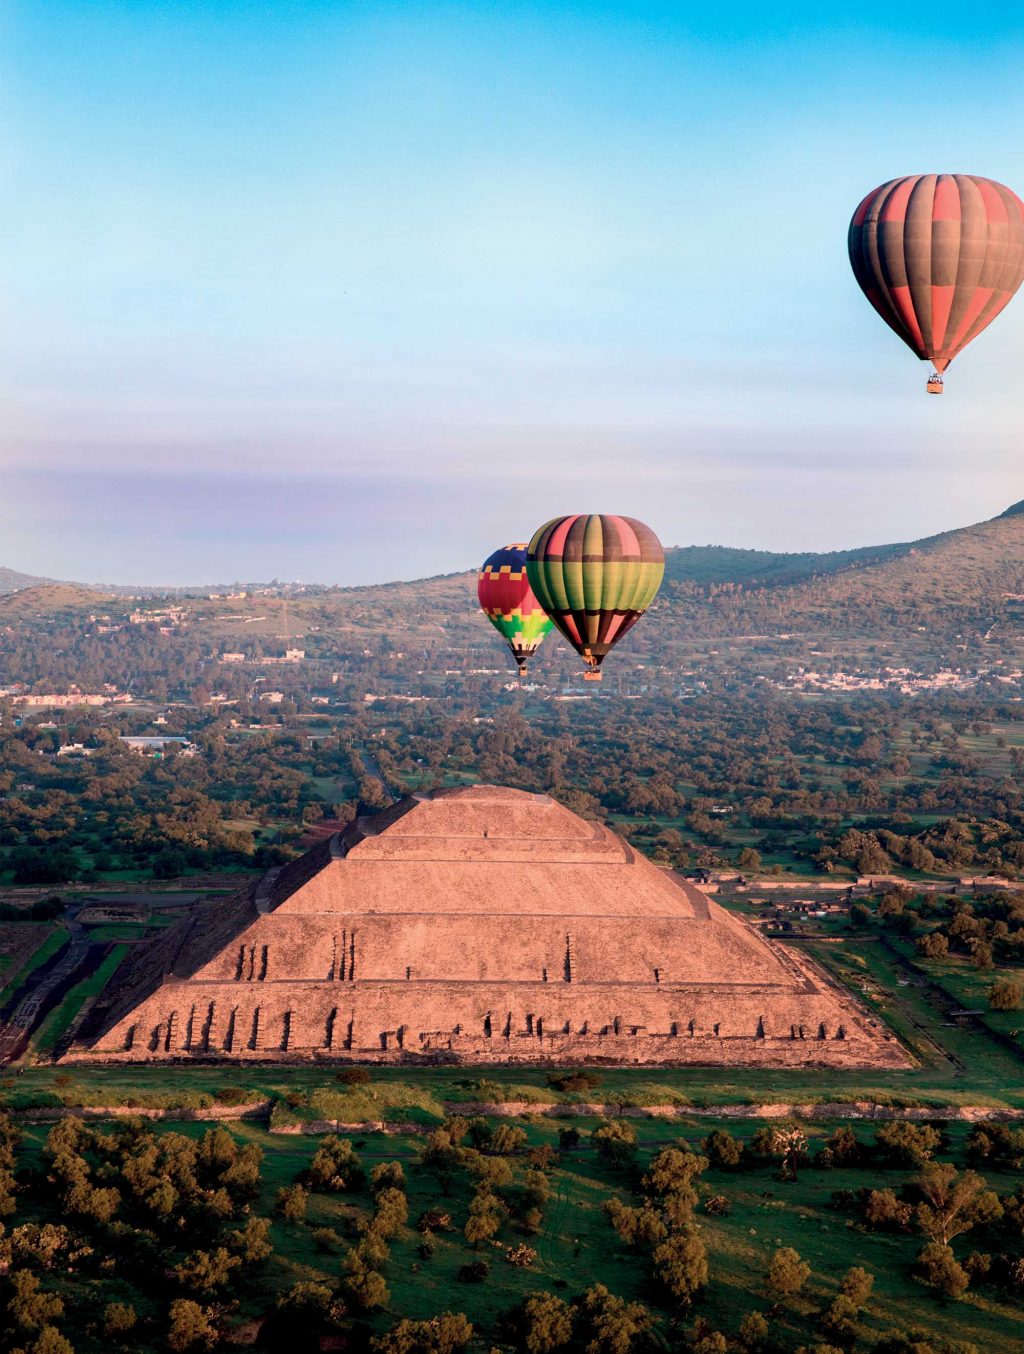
column 967, row 580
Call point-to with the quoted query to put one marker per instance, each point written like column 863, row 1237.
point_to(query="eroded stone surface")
column 479, row 925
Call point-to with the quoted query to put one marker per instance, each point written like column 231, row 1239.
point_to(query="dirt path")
column 257, row 1110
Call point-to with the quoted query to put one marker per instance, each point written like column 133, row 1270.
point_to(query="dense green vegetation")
column 677, row 1235
column 856, row 784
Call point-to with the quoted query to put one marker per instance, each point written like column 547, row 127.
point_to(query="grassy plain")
column 576, row 1246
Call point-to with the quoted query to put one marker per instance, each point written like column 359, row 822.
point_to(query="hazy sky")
column 356, row 291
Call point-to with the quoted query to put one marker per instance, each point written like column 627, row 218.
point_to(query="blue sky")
column 355, row 291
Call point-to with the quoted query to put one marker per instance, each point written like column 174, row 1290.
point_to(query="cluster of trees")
column 162, row 1213
column 986, row 931
column 694, row 776
column 169, row 1227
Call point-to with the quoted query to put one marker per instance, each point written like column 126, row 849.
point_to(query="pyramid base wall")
column 742, row 1025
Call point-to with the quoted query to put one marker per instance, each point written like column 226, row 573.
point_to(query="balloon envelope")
column 509, row 603
column 938, row 256
column 595, row 576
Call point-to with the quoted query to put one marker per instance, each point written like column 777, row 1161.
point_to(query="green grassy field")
column 576, row 1245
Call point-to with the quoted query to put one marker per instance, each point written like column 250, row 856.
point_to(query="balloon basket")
column 594, row 676
column 934, row 386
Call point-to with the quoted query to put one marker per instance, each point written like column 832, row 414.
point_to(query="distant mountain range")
column 969, row 578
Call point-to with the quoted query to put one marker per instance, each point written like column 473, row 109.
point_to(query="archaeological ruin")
column 480, row 925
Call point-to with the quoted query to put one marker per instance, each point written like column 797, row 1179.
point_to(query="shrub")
column 353, row 1076
column 434, row 1220
column 326, row 1239
column 475, row 1272
column 906, row 1144
column 1006, row 995
column 574, row 1081
column 235, row 1095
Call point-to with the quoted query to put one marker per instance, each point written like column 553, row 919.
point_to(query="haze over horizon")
column 356, row 294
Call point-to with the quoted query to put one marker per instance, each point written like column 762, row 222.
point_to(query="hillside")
column 961, row 583
column 963, row 580
column 13, row 581
column 49, row 599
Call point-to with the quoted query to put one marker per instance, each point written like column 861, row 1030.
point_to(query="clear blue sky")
column 355, row 291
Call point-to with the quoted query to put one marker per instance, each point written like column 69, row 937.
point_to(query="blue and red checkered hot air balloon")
column 509, row 603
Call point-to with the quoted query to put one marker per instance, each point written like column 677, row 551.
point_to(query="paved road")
column 370, row 762
column 28, row 1012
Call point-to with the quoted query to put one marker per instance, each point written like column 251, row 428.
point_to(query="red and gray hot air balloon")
column 938, row 256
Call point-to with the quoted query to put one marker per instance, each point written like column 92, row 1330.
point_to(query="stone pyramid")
column 480, row 925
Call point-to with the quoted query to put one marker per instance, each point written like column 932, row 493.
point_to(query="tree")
column 484, row 1221
column 364, row 1287
column 953, row 1203
column 635, row 1226
column 205, row 1271
column 841, row 1149
column 857, row 1285
column 387, row 1175
column 335, row 1166
column 907, row 1144
column 883, row 1209
column 50, row 1341
column 608, row 1324
column 938, row 1267
column 722, row 1150
column 681, row 1264
column 615, row 1143
column 118, row 1320
column 445, row 1334
column 787, row 1273
column 29, row 1308
column 190, row 1327
column 307, row 1309
column 749, row 860
column 754, row 1330
column 542, row 1324
column 568, row 1139
column 673, row 1169
column 934, row 945
column 252, row 1242
column 291, row 1203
